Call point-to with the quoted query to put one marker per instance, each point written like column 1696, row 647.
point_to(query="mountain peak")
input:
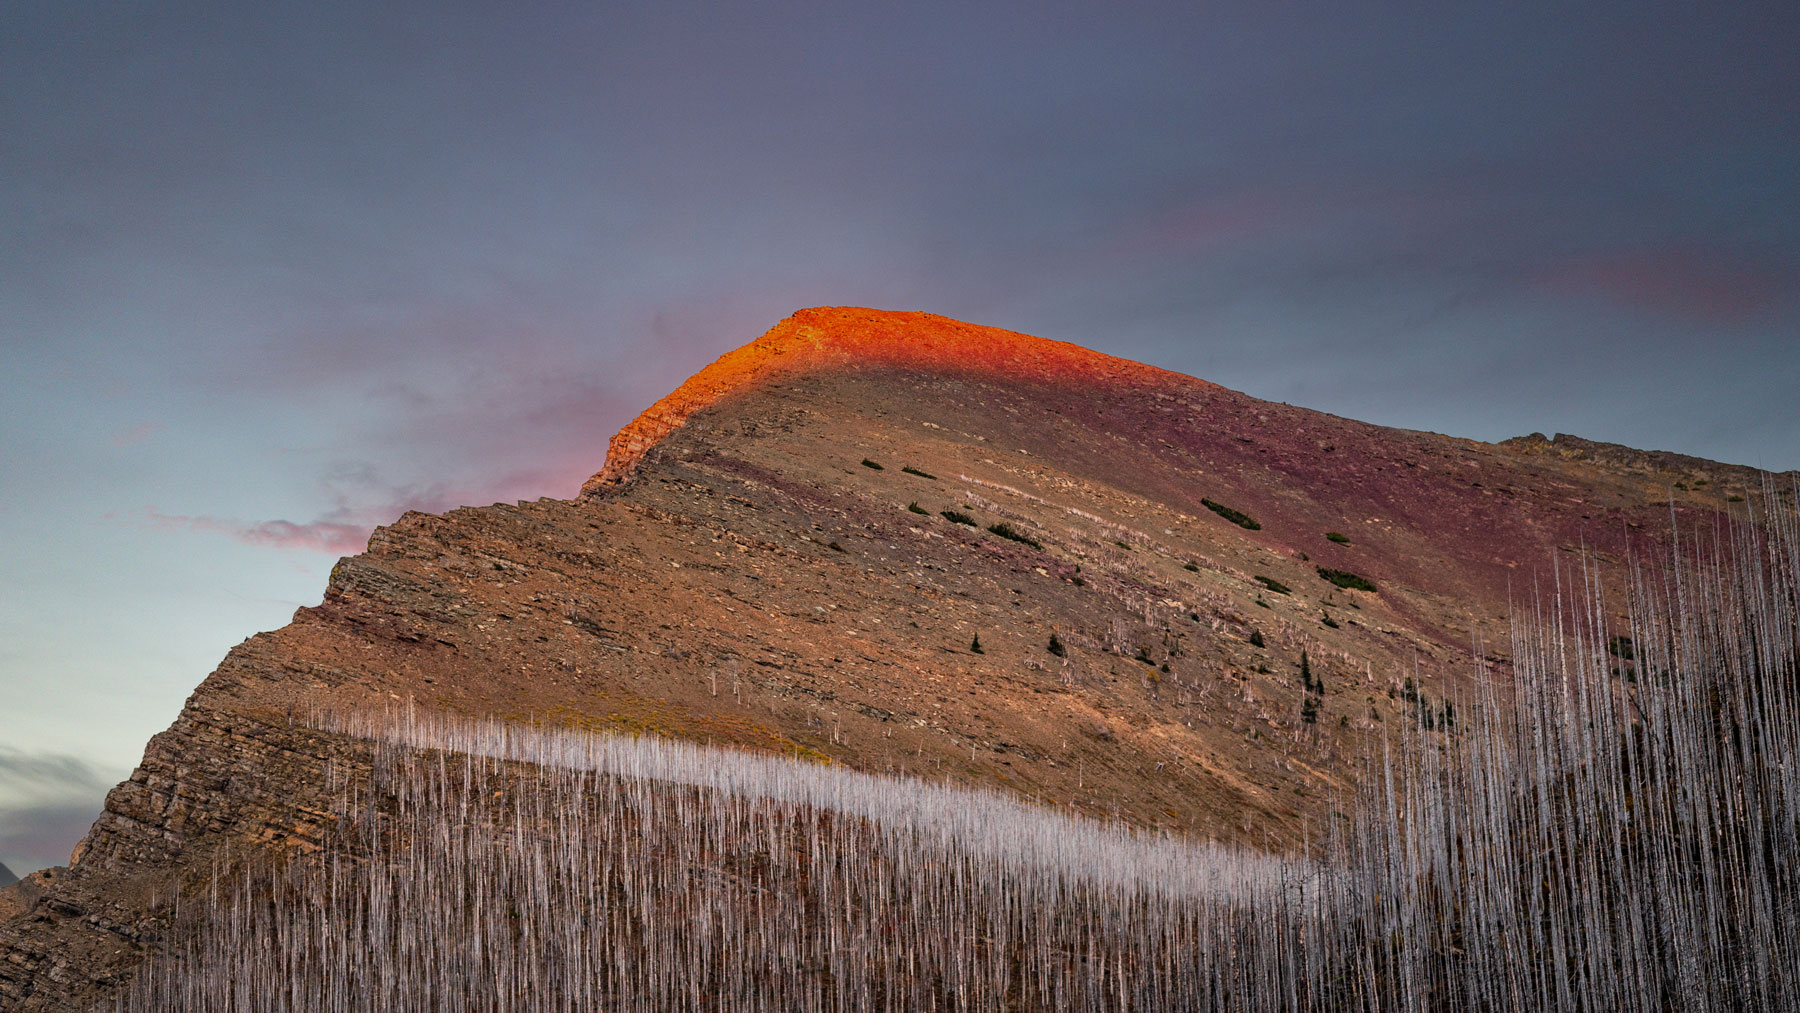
column 854, row 337
column 902, row 544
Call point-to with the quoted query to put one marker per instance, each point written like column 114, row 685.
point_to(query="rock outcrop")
column 19, row 895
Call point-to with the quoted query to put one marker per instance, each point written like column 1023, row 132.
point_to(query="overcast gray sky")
column 271, row 274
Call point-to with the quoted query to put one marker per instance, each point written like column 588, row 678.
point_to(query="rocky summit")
column 903, row 544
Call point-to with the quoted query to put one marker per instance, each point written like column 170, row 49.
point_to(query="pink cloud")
column 345, row 529
column 136, row 434
column 322, row 536
column 1687, row 280
column 531, row 422
column 1208, row 223
column 337, row 538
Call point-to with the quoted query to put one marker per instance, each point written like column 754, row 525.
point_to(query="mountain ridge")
column 800, row 560
column 1677, row 467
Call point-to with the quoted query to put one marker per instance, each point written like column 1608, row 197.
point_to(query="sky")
column 272, row 274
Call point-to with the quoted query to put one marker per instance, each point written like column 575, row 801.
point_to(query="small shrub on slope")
column 1005, row 530
column 1346, row 579
column 1238, row 517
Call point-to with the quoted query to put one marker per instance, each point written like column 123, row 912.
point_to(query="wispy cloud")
column 314, row 536
column 47, row 803
column 36, row 837
column 1690, row 280
column 35, row 777
column 131, row 435
column 363, row 502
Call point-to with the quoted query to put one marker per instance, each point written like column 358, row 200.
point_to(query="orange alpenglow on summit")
column 852, row 337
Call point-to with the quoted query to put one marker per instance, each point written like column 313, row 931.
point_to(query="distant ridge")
column 7, row 878
column 1665, row 463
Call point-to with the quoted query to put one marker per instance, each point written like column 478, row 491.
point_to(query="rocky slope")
column 800, row 550
column 20, row 895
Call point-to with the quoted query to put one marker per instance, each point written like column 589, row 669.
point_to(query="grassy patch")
column 958, row 517
column 1056, row 646
column 910, row 470
column 1338, row 537
column 1346, row 579
column 1274, row 585
column 916, row 508
column 1238, row 517
column 871, row 464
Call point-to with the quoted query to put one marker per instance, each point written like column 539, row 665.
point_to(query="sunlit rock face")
column 798, row 552
column 848, row 339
